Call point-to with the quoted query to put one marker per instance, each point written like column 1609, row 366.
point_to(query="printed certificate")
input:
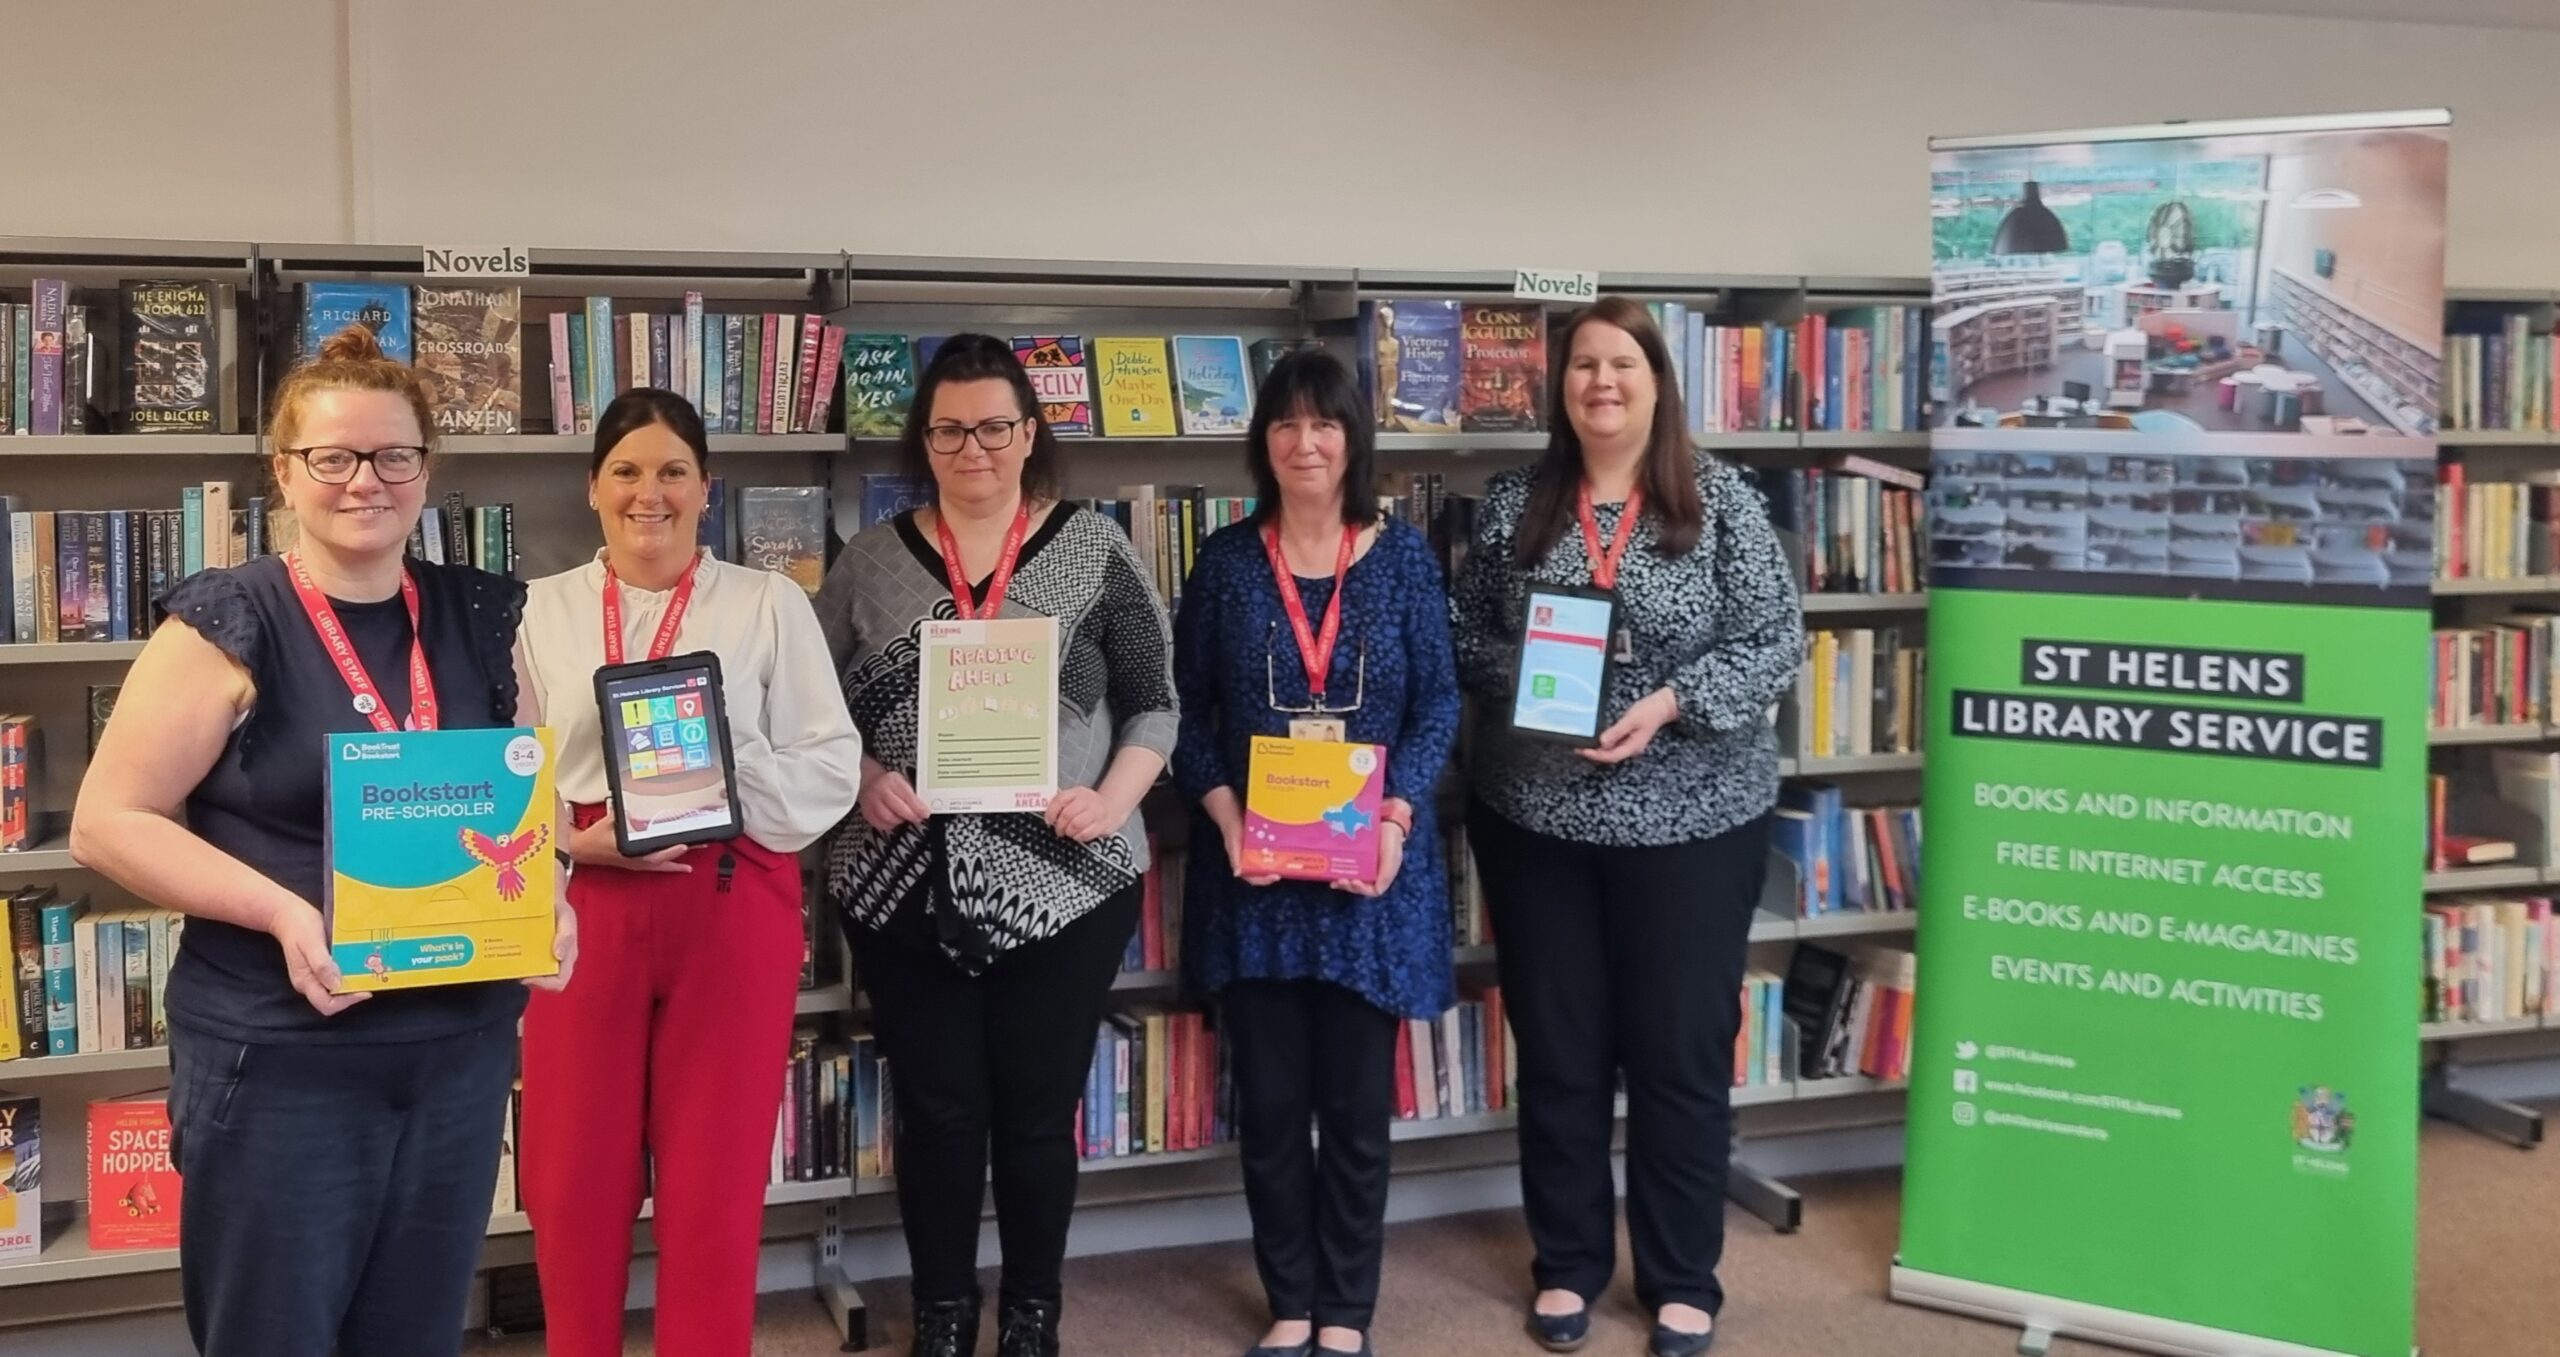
column 987, row 715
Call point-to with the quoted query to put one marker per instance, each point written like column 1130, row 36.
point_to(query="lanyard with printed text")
column 996, row 583
column 342, row 651
column 1315, row 650
column 663, row 643
column 1604, row 565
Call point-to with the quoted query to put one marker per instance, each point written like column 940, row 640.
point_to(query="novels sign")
column 501, row 261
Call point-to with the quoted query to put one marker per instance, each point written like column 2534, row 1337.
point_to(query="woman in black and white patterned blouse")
column 988, row 942
column 1622, row 877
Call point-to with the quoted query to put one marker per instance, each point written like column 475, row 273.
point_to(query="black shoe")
column 946, row 1328
column 1305, row 1349
column 1026, row 1328
column 1364, row 1350
column 1561, row 1333
column 1670, row 1342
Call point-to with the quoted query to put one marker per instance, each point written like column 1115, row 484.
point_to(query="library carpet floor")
column 2486, row 1236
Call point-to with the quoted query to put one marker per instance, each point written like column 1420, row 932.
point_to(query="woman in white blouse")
column 678, row 1030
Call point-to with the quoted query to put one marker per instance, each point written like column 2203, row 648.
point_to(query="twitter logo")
column 1966, row 1050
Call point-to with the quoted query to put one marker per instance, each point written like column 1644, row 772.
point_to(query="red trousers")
column 668, row 1046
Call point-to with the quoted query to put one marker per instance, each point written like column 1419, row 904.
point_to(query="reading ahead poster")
column 2182, row 527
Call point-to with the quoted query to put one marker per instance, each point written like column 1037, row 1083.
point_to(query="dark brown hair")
column 350, row 360
column 980, row 358
column 637, row 409
column 1668, row 474
column 1311, row 382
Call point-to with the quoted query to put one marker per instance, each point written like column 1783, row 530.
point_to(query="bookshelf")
column 541, row 471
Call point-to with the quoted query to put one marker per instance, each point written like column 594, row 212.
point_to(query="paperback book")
column 382, row 308
column 1133, row 388
column 879, row 384
column 1215, row 396
column 170, row 357
column 1056, row 365
column 471, row 357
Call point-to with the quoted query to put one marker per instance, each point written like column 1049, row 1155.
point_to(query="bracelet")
column 1396, row 811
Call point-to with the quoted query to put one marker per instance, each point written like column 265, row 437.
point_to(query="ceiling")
column 2542, row 14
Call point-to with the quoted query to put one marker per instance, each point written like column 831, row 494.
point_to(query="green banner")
column 2165, row 1086
column 2168, row 1012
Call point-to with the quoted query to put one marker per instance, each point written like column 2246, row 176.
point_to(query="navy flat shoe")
column 1668, row 1342
column 1305, row 1349
column 1561, row 1333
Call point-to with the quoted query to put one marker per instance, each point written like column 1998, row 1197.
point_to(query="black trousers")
column 337, row 1193
column 1308, row 1049
column 991, row 1067
column 1623, row 960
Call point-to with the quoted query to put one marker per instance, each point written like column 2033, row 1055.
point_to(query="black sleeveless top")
column 261, row 803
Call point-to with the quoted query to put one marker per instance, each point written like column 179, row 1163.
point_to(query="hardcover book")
column 440, row 850
column 879, row 384
column 471, row 356
column 1216, row 398
column 1412, row 363
column 1311, row 809
column 1502, row 367
column 783, row 528
column 170, row 357
column 885, row 496
column 1059, row 378
column 21, row 1179
column 1133, row 388
column 382, row 308
column 133, row 1187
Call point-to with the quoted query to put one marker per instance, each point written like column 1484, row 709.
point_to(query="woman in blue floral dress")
column 1320, row 618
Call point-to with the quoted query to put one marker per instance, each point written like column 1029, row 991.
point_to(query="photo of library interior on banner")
column 2198, row 366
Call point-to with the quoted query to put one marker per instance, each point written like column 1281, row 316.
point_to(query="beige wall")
column 1740, row 135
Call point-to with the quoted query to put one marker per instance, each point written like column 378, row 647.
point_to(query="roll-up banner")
column 2182, row 532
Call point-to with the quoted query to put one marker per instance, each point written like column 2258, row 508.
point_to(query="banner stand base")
column 2043, row 1318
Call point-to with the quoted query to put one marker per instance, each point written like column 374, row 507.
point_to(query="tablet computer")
column 666, row 752
column 1566, row 653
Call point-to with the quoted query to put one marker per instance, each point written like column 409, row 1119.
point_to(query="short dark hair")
column 1313, row 382
column 640, row 407
column 980, row 358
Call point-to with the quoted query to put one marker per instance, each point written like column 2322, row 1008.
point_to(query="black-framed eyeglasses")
column 1317, row 707
column 994, row 435
column 395, row 464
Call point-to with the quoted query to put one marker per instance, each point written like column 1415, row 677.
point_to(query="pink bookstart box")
column 1311, row 809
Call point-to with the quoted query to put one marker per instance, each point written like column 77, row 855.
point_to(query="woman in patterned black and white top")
column 988, row 942
column 1621, row 878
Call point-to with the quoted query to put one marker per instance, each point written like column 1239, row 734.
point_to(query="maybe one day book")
column 440, row 850
column 1133, row 388
column 1311, row 809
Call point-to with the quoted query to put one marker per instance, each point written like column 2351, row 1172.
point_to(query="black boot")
column 946, row 1328
column 1027, row 1328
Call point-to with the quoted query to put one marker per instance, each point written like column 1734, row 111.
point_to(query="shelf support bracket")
column 1763, row 1196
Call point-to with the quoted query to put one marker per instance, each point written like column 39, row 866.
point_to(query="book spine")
column 61, row 981
column 8, row 369
column 804, row 404
column 564, row 400
column 695, row 359
column 714, row 373
column 23, row 573
column 119, row 570
column 822, row 392
column 52, row 304
column 771, row 373
column 137, row 981
column 161, row 952
column 733, row 372
column 22, row 361
column 600, row 365
column 636, row 371
column 26, row 972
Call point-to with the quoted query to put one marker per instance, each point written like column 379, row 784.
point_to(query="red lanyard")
column 996, row 584
column 333, row 637
column 1604, row 565
column 1314, row 651
column 663, row 643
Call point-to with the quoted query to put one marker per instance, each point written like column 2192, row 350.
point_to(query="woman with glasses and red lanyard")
column 1621, row 877
column 987, row 942
column 339, row 1151
column 661, row 1074
column 1318, row 618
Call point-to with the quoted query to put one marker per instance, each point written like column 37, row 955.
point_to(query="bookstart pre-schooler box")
column 1311, row 809
column 442, row 865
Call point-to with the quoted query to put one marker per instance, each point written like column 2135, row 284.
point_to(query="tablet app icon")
column 688, row 706
column 664, row 733
column 638, row 736
column 644, row 764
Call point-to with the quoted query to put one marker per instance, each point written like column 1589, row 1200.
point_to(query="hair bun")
column 354, row 344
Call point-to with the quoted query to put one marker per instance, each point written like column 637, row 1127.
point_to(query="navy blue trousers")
column 337, row 1194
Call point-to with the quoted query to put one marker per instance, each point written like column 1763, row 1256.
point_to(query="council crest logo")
column 2322, row 1122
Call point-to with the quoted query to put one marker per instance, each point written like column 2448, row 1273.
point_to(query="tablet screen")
column 1564, row 663
column 669, row 740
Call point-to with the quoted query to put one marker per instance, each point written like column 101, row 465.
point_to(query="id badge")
column 1325, row 729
